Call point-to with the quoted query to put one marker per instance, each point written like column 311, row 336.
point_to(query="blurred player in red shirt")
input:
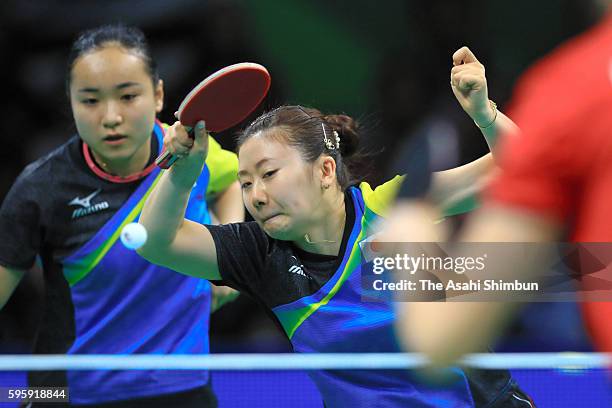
column 555, row 185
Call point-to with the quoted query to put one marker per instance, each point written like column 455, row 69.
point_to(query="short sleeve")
column 241, row 255
column 223, row 167
column 20, row 229
column 380, row 199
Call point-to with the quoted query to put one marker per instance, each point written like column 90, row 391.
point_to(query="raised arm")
column 452, row 188
column 174, row 242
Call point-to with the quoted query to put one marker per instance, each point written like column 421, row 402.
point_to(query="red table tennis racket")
column 222, row 100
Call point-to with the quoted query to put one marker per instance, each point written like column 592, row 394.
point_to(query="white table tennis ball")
column 133, row 235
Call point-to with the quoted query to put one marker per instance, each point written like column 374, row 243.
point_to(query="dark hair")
column 313, row 134
column 130, row 38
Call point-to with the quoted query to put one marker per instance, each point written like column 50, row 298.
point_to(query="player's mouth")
column 268, row 218
column 114, row 139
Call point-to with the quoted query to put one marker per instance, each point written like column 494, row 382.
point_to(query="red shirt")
column 561, row 165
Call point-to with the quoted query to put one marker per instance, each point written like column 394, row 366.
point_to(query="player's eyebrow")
column 257, row 165
column 120, row 86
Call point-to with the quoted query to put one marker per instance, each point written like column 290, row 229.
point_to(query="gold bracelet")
column 494, row 107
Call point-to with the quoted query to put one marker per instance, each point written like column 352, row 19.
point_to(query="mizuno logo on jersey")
column 87, row 207
column 298, row 269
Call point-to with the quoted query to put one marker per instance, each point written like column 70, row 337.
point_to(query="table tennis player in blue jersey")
column 68, row 209
column 300, row 256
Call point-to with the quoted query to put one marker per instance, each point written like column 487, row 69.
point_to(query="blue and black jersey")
column 316, row 299
column 102, row 298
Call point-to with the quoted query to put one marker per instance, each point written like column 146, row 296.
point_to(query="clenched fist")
column 469, row 85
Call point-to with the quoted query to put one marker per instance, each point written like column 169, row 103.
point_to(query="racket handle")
column 165, row 160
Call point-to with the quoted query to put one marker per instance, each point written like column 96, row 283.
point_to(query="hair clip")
column 328, row 142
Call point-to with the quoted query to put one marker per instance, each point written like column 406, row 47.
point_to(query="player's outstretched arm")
column 182, row 245
column 9, row 279
column 455, row 188
column 447, row 330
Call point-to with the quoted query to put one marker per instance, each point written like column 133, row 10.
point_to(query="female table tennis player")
column 300, row 257
column 69, row 207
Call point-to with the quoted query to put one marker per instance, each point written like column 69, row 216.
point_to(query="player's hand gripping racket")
column 222, row 100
